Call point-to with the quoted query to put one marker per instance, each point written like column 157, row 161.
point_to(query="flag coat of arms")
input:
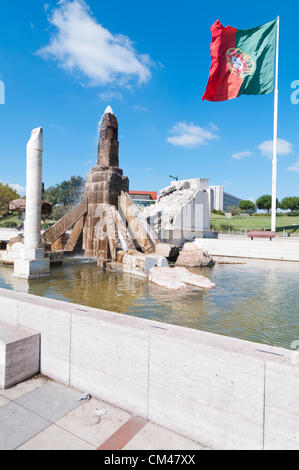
column 243, row 61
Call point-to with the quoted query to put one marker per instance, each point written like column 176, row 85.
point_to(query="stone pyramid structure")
column 107, row 217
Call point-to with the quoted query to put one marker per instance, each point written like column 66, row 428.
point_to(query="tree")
column 265, row 202
column 67, row 193
column 234, row 210
column 247, row 206
column 7, row 194
column 59, row 211
column 291, row 203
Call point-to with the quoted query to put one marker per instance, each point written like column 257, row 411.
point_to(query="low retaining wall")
column 222, row 392
column 277, row 249
column 7, row 233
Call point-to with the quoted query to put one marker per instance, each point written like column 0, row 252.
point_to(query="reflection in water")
column 258, row 301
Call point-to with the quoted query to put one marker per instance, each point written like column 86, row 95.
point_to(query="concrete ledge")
column 277, row 249
column 19, row 355
column 223, row 392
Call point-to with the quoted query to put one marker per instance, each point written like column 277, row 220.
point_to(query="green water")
column 257, row 301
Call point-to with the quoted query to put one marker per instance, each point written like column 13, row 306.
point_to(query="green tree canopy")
column 7, row 194
column 265, row 202
column 247, row 206
column 291, row 203
column 67, row 193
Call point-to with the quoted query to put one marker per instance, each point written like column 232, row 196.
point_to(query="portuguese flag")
column 243, row 61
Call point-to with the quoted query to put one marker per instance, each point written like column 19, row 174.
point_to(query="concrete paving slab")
column 55, row 438
column 23, row 388
column 282, row 408
column 155, row 437
column 3, row 401
column 51, row 401
column 18, row 425
column 83, row 422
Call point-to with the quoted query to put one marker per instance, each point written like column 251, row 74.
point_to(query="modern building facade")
column 221, row 201
column 144, row 198
column 218, row 199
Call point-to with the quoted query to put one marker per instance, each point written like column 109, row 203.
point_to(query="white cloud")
column 21, row 190
column 294, row 167
column 190, row 136
column 81, row 44
column 241, row 155
column 137, row 107
column 283, row 147
column 109, row 96
column 56, row 126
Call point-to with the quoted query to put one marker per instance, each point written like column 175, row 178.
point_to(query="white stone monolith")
column 32, row 238
column 32, row 264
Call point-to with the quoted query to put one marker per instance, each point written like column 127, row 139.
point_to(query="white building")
column 220, row 200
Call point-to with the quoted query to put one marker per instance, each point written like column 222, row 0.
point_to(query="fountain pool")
column 256, row 301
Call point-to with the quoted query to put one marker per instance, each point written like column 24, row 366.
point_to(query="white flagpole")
column 274, row 161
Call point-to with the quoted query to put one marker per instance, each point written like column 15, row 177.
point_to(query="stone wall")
column 222, row 392
column 277, row 249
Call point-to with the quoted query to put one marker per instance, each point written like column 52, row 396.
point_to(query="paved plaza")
column 41, row 414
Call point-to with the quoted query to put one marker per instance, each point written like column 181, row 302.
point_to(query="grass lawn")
column 11, row 220
column 291, row 224
column 14, row 222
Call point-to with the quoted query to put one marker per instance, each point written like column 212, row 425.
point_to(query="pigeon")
column 85, row 397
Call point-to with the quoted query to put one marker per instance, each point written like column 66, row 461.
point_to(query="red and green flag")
column 243, row 61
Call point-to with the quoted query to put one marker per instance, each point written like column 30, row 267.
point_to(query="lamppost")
column 176, row 178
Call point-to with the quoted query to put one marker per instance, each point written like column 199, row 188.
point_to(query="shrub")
column 225, row 227
column 214, row 211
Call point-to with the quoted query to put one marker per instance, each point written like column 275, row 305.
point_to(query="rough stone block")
column 193, row 256
column 141, row 264
column 171, row 252
column 32, row 269
column 19, row 355
column 178, row 278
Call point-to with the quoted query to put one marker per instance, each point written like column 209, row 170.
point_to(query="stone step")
column 19, row 355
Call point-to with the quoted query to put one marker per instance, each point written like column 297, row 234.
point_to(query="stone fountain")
column 107, row 224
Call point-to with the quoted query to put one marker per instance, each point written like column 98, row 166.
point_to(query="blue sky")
column 63, row 62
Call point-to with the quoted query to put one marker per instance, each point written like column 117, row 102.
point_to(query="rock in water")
column 192, row 256
column 171, row 252
column 140, row 264
column 178, row 278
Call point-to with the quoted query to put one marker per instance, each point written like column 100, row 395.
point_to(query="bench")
column 19, row 355
column 261, row 234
